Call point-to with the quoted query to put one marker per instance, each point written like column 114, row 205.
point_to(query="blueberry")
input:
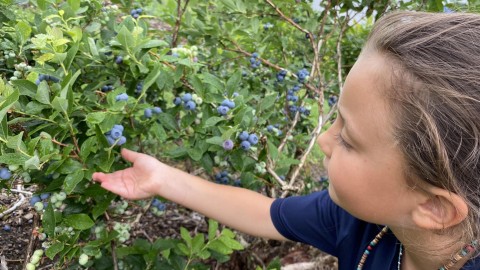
column 253, row 139
column 218, row 176
column 177, row 101
column 105, row 88
column 237, row 183
column 156, row 202
column 270, row 128
column 148, row 113
column 7, row 228
column 119, row 59
column 223, row 110
column 224, row 173
column 190, row 105
column 115, row 133
column 37, row 81
column 44, row 196
column 110, row 140
column 243, row 136
column 245, row 145
column 41, row 77
column 161, row 206
column 224, row 180
column 54, row 79
column 34, row 200
column 228, row 145
column 119, row 127
column 122, row 140
column 5, row 173
column 139, row 10
column 133, row 12
column 255, row 55
column 121, row 97
column 157, row 110
column 135, row 16
column 187, row 97
column 235, row 94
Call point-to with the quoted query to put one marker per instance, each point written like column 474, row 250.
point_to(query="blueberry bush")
column 238, row 90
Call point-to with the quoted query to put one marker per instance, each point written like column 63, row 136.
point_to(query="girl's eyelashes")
column 342, row 142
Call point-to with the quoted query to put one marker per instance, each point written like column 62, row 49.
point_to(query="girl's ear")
column 440, row 209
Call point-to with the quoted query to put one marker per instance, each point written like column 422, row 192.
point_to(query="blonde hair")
column 435, row 97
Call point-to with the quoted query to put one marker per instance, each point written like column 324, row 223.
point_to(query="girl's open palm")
column 136, row 182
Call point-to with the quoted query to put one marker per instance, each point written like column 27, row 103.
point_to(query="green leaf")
column 93, row 47
column 198, row 242
column 88, row 146
column 231, row 243
column 215, row 82
column 151, row 77
column 168, row 121
column 233, row 82
column 72, row 180
column 49, row 221
column 23, row 31
column 33, row 163
column 186, row 236
column 96, row 117
column 43, row 93
column 272, row 150
column 54, row 250
column 74, row 5
column 125, row 38
column 212, row 229
column 217, row 140
column 219, row 246
column 213, row 121
column 13, row 159
column 72, row 52
column 79, row 221
column 26, row 87
column 60, row 105
column 5, row 105
column 267, row 102
column 16, row 143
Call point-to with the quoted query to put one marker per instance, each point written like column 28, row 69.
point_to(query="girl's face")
column 364, row 164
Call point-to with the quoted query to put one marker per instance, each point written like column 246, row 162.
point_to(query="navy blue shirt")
column 316, row 220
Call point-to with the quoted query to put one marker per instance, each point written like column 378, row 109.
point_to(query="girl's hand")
column 140, row 181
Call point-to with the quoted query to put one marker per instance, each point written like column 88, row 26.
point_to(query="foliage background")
column 53, row 133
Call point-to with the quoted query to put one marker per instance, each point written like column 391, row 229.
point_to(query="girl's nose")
column 325, row 143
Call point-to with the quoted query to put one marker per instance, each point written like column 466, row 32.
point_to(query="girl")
column 404, row 152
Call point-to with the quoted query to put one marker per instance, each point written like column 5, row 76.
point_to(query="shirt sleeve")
column 310, row 219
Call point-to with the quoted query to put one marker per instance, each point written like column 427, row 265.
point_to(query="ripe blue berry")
column 115, row 133
column 255, row 55
column 119, row 127
column 177, row 101
column 222, row 110
column 44, row 196
column 190, row 105
column 34, row 200
column 228, row 145
column 7, row 228
column 253, row 139
column 121, row 97
column 157, row 110
column 243, row 136
column 270, row 128
column 237, row 183
column 119, row 60
column 5, row 174
column 148, row 113
column 245, row 145
column 187, row 97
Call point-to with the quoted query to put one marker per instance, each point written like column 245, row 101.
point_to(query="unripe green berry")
column 38, row 206
column 30, row 266
column 35, row 259
column 13, row 167
column 38, row 252
column 83, row 259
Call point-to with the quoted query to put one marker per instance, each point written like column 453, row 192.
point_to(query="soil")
column 19, row 242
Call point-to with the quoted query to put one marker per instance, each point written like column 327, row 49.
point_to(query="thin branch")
column 31, row 242
column 180, row 12
column 14, row 207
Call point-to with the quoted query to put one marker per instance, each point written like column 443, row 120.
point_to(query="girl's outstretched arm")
column 239, row 208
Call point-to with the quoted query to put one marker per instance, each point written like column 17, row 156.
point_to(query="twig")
column 31, row 242
column 14, row 207
column 114, row 255
column 180, row 12
column 21, row 191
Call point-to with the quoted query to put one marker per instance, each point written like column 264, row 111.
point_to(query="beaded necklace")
column 465, row 251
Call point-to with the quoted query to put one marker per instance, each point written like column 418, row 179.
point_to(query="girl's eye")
column 342, row 142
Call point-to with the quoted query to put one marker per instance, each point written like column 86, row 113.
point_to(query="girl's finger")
column 130, row 155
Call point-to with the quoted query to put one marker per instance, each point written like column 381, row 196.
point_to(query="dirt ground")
column 19, row 241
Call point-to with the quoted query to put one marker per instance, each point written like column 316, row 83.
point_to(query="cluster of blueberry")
column 304, row 111
column 247, row 140
column 149, row 111
column 224, row 178
column 225, row 106
column 332, row 100
column 8, row 54
column 123, row 230
column 275, row 129
column 267, row 26
column 281, row 75
column 261, row 167
column 34, row 260
column 107, row 87
column 302, row 75
column 43, row 77
column 254, row 61
column 39, row 202
column 5, row 174
column 20, row 71
column 189, row 101
column 158, row 207
column 139, row 88
column 121, row 97
column 135, row 13
column 115, row 137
